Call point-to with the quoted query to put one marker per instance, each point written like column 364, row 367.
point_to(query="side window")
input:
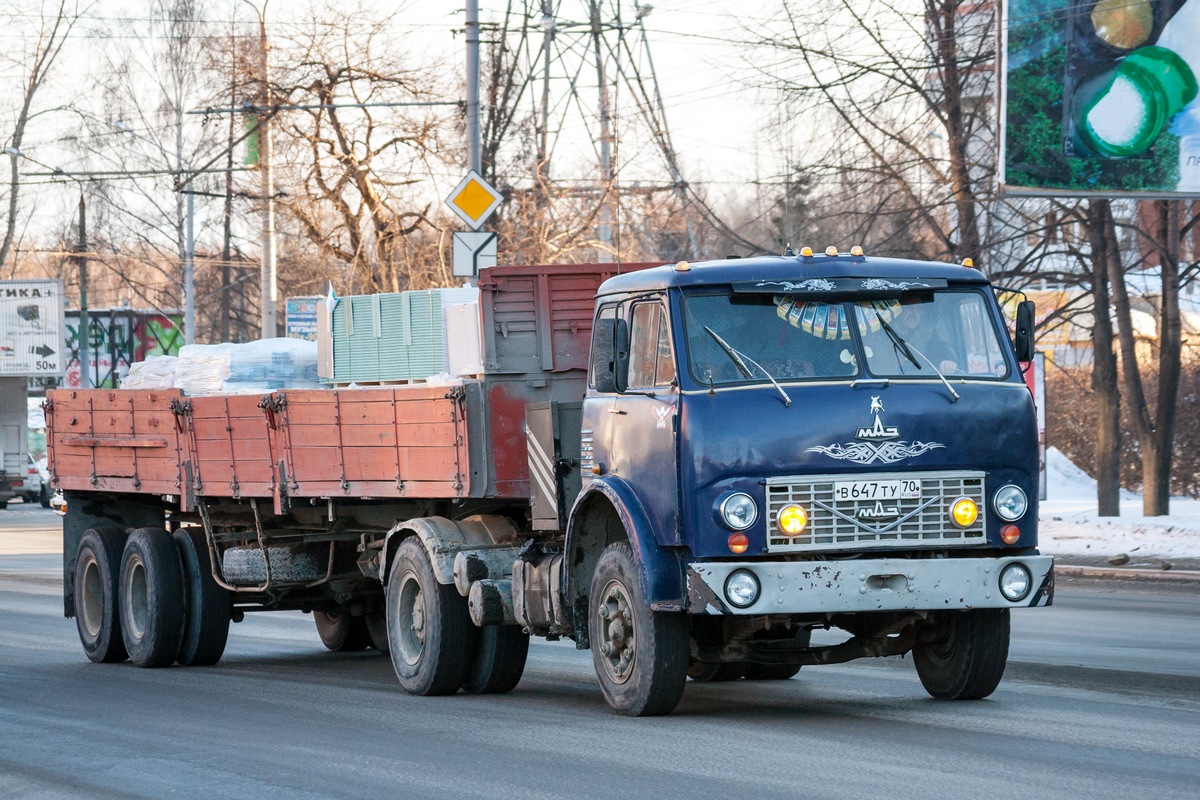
column 606, row 312
column 650, row 360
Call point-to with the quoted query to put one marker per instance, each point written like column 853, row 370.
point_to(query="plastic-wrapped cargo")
column 248, row 368
column 156, row 372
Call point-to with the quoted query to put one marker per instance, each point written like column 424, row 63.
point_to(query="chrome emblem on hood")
column 875, row 445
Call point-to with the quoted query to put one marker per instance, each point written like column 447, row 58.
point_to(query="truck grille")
column 922, row 522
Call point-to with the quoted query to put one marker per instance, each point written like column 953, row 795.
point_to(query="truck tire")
column 151, row 598
column 341, row 632
column 430, row 635
column 244, row 566
column 640, row 655
column 717, row 673
column 966, row 660
column 44, row 496
column 499, row 660
column 376, row 619
column 208, row 607
column 771, row 672
column 97, row 612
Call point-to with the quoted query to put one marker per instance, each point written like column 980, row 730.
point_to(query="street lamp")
column 85, row 329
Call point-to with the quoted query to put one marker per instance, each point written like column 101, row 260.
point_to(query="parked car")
column 37, row 483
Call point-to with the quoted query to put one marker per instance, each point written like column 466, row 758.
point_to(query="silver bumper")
column 885, row 584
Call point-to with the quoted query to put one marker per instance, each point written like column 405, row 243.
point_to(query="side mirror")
column 1024, row 338
column 610, row 355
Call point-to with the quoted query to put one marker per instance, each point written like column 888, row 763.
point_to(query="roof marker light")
column 966, row 262
column 682, row 266
column 831, row 251
column 856, row 251
column 806, row 252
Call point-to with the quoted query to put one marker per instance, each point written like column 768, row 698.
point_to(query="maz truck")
column 685, row 468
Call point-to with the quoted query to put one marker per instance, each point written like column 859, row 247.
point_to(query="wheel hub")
column 618, row 642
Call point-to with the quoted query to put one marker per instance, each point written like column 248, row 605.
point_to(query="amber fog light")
column 1009, row 534
column 964, row 512
column 792, row 520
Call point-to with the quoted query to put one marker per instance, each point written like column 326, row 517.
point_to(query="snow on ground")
column 1069, row 525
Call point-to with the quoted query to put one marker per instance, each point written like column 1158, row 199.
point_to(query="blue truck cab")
column 774, row 446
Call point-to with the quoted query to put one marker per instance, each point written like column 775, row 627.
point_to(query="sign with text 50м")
column 31, row 328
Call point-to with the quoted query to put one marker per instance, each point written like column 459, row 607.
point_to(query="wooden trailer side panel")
column 230, row 447
column 407, row 441
column 115, row 441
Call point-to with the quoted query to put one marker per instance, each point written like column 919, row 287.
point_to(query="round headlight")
column 739, row 511
column 741, row 588
column 964, row 512
column 1010, row 502
column 1015, row 582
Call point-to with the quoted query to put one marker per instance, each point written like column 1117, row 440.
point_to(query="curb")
column 1174, row 575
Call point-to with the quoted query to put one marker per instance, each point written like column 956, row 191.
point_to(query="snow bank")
column 1069, row 524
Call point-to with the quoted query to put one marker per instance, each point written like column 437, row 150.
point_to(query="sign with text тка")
column 32, row 328
column 474, row 200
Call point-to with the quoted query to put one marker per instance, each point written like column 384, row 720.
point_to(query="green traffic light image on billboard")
column 1100, row 97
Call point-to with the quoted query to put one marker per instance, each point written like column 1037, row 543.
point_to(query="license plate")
column 877, row 490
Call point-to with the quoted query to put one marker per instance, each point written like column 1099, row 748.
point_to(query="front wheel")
column 961, row 654
column 430, row 635
column 640, row 655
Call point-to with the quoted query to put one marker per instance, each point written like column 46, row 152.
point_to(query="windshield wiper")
column 737, row 358
column 908, row 349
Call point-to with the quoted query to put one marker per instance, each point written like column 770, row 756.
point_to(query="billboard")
column 1100, row 97
column 32, row 330
column 301, row 321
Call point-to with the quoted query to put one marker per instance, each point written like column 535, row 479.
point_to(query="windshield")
column 952, row 331
column 794, row 338
column 789, row 338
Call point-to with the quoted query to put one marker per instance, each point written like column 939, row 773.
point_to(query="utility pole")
column 474, row 146
column 269, row 282
column 604, row 231
column 85, row 327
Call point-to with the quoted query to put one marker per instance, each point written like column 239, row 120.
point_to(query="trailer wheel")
column 963, row 653
column 152, row 606
column 499, row 660
column 771, row 672
column 640, row 655
column 97, row 576
column 717, row 673
column 341, row 632
column 208, row 607
column 430, row 634
column 376, row 619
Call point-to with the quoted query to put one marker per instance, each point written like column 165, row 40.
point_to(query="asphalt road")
column 1101, row 699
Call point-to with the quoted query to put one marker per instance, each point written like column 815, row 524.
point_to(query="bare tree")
column 357, row 147
column 54, row 23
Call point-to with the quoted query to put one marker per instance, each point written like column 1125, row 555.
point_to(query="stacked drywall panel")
column 390, row 338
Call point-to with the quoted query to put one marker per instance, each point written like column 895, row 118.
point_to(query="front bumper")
column 884, row 584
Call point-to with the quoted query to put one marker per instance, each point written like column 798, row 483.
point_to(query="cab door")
column 643, row 422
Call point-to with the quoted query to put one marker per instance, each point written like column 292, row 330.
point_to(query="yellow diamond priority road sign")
column 474, row 200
